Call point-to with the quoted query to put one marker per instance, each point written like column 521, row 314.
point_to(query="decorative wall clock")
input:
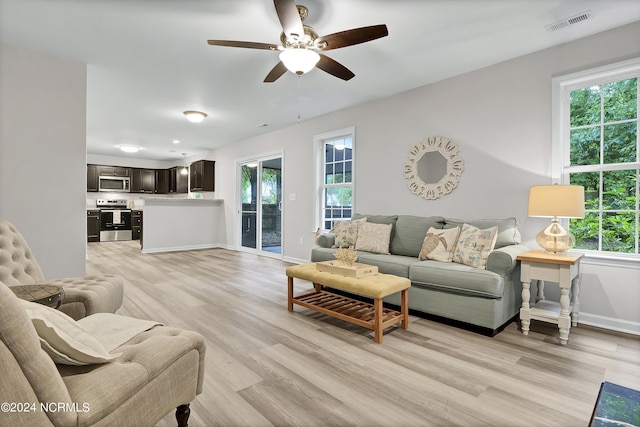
column 433, row 167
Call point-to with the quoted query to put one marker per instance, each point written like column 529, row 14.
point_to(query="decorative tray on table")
column 355, row 270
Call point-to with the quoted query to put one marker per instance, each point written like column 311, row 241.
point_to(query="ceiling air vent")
column 563, row 23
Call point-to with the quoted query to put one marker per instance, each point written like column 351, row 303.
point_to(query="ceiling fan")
column 300, row 42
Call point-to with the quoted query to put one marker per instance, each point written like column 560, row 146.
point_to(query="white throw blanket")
column 113, row 330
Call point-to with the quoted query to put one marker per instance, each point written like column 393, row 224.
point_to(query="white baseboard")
column 610, row 323
column 295, row 260
column 181, row 248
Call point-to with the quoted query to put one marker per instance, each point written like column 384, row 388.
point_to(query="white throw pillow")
column 439, row 244
column 475, row 245
column 374, row 238
column 63, row 338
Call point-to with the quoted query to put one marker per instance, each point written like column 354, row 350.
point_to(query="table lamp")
column 556, row 201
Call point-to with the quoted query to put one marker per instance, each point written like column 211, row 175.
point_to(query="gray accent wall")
column 43, row 156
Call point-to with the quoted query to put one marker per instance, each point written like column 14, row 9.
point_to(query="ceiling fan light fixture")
column 195, row 116
column 299, row 60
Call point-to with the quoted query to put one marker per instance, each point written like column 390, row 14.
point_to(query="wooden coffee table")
column 50, row 295
column 371, row 316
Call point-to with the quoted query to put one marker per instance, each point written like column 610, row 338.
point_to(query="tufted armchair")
column 82, row 296
column 156, row 371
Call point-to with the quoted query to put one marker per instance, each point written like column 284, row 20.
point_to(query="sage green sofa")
column 487, row 299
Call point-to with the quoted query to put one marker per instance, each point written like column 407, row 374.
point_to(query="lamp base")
column 555, row 239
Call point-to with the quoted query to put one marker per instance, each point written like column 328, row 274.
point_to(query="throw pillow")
column 374, row 238
column 346, row 232
column 64, row 339
column 439, row 244
column 474, row 246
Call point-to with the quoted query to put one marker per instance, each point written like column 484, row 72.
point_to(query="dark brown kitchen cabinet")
column 162, row 181
column 178, row 182
column 136, row 225
column 96, row 171
column 92, row 178
column 93, row 225
column 113, row 171
column 202, row 175
column 143, row 180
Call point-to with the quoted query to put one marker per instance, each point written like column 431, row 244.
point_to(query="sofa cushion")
column 456, row 278
column 410, row 231
column 439, row 245
column 388, row 264
column 374, row 238
column 508, row 233
column 474, row 246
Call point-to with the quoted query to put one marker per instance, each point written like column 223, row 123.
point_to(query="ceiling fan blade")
column 275, row 73
column 334, row 68
column 289, row 17
column 248, row 45
column 351, row 37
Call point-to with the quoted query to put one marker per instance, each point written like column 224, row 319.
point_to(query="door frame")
column 237, row 233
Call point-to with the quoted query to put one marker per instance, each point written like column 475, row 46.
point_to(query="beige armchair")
column 82, row 295
column 157, row 370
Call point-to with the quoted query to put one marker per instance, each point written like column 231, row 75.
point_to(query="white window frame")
column 318, row 141
column 560, row 169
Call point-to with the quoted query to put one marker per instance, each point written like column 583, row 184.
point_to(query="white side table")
column 561, row 269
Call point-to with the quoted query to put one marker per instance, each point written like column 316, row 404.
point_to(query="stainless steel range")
column 115, row 220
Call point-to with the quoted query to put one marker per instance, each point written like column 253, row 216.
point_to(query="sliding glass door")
column 261, row 205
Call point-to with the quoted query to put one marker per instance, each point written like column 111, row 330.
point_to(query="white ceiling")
column 148, row 60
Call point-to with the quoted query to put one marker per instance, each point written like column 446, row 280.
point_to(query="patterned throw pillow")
column 439, row 244
column 475, row 245
column 374, row 238
column 346, row 232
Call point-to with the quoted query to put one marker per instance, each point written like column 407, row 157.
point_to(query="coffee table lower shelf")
column 350, row 310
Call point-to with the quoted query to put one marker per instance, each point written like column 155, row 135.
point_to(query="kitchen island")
column 172, row 224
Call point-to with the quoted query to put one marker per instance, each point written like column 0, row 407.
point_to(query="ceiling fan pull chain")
column 299, row 95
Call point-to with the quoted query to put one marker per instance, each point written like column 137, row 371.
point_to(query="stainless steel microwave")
column 120, row 184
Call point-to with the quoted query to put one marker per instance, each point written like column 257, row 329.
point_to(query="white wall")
column 42, row 156
column 180, row 224
column 500, row 116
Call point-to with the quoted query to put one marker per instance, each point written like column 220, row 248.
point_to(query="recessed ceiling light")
column 128, row 148
column 195, row 116
column 175, row 141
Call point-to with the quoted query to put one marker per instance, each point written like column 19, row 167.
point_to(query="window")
column 335, row 176
column 596, row 124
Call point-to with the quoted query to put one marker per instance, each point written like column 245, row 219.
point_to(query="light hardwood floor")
column 268, row 367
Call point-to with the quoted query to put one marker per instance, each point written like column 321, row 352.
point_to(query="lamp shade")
column 299, row 60
column 565, row 201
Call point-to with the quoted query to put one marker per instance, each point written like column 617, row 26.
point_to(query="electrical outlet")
column 301, row 241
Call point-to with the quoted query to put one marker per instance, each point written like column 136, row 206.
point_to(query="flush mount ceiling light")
column 299, row 60
column 195, row 116
column 128, row 148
